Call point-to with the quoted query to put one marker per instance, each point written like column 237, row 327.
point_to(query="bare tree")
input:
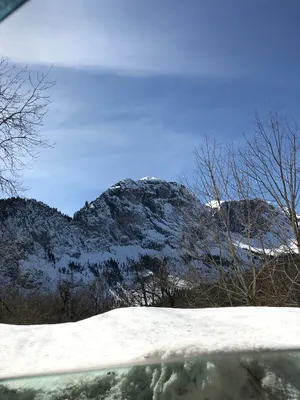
column 98, row 294
column 231, row 237
column 24, row 101
column 217, row 246
column 155, row 282
column 271, row 159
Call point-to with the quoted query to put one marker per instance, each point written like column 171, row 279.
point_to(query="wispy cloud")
column 136, row 37
column 109, row 36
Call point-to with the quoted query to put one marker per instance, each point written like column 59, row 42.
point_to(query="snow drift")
column 140, row 335
column 167, row 353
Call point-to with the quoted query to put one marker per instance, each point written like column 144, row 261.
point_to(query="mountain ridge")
column 131, row 219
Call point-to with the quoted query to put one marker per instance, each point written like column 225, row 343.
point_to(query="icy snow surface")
column 130, row 336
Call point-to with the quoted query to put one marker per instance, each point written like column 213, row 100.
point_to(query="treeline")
column 149, row 281
column 9, row 206
column 146, row 281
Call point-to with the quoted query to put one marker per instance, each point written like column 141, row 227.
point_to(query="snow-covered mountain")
column 130, row 219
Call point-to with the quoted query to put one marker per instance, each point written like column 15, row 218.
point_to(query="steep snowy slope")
column 35, row 235
column 147, row 214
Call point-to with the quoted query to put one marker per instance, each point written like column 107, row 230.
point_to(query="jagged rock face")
column 251, row 218
column 148, row 213
column 248, row 217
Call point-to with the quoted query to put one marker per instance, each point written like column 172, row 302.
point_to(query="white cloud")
column 65, row 33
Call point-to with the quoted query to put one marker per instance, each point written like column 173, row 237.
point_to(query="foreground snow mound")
column 145, row 336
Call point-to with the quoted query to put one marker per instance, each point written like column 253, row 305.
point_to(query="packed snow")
column 156, row 353
column 137, row 335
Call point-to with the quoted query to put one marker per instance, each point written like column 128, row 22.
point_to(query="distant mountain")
column 130, row 219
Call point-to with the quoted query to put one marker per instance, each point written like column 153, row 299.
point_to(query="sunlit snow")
column 144, row 335
column 215, row 204
column 150, row 178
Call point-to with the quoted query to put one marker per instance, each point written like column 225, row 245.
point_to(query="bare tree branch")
column 242, row 183
column 24, row 101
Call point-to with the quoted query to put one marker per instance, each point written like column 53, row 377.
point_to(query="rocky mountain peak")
column 132, row 218
column 143, row 213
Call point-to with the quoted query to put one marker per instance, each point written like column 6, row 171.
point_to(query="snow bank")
column 132, row 336
column 170, row 354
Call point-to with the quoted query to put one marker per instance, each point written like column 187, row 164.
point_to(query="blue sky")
column 139, row 82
